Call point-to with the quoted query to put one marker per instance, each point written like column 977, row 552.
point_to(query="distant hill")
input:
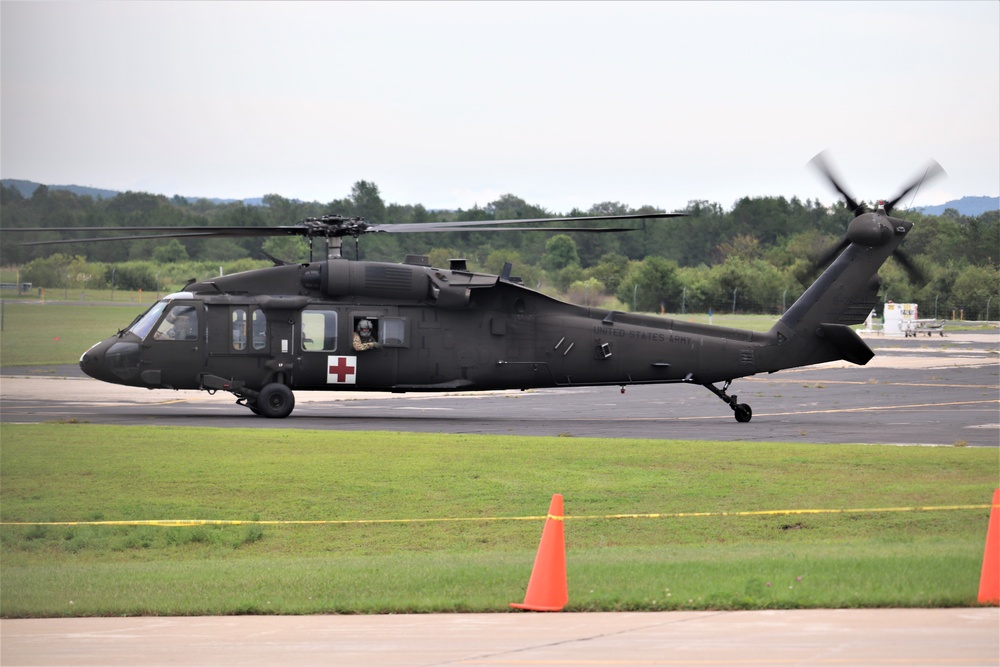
column 27, row 188
column 970, row 206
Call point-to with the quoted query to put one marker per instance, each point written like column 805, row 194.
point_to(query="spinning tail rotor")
column 872, row 228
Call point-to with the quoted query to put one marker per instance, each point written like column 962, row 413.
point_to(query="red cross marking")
column 341, row 369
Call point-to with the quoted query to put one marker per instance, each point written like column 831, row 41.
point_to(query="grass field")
column 38, row 335
column 424, row 522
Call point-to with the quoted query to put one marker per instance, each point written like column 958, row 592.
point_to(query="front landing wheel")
column 275, row 401
column 743, row 413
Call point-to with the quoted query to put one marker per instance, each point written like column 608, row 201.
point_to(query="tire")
column 743, row 413
column 275, row 401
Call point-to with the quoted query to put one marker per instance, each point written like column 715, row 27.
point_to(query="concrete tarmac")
column 861, row 637
column 933, row 391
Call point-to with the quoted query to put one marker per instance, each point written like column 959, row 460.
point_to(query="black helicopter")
column 342, row 324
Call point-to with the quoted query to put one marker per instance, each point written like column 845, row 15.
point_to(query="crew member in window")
column 181, row 323
column 364, row 337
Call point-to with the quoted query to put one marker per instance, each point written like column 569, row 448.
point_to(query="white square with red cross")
column 341, row 370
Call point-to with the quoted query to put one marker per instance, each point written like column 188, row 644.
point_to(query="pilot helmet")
column 364, row 326
column 179, row 313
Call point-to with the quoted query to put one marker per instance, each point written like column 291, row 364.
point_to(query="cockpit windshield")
column 145, row 322
column 142, row 325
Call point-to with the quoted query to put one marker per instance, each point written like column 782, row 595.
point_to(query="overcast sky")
column 454, row 104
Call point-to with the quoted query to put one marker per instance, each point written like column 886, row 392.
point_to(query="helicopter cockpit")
column 142, row 326
column 121, row 359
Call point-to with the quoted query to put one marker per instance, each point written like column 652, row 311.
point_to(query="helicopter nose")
column 111, row 360
column 90, row 361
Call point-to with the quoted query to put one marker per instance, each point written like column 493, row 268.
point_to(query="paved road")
column 915, row 392
column 876, row 637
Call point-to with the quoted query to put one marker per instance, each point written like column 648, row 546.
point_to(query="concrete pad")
column 954, row 637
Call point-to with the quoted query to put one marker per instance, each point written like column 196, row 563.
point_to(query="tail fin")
column 816, row 328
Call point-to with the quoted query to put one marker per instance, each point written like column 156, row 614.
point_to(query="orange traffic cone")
column 547, row 589
column 989, row 581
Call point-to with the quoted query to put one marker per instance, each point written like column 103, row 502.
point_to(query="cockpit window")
column 142, row 326
column 181, row 323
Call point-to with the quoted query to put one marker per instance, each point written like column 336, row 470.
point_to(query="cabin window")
column 180, row 323
column 319, row 330
column 248, row 329
column 239, row 329
column 259, row 329
column 392, row 332
column 365, row 336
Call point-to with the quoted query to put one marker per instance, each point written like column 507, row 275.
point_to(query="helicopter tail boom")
column 816, row 328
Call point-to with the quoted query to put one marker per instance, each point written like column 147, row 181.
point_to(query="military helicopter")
column 343, row 324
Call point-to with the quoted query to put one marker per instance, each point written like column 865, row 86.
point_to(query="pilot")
column 179, row 324
column 363, row 338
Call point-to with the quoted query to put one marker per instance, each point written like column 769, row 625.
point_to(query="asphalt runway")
column 941, row 391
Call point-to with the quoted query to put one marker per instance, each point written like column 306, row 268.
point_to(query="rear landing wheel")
column 742, row 411
column 275, row 401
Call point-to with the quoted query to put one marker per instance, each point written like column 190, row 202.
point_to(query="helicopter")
column 348, row 324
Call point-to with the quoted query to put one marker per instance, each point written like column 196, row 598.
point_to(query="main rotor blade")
column 819, row 162
column 337, row 226
column 420, row 227
column 132, row 237
column 172, row 231
column 591, row 230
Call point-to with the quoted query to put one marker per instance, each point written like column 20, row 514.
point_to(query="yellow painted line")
column 581, row 517
column 882, row 408
column 867, row 408
column 799, row 380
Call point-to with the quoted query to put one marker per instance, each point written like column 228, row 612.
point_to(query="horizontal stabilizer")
column 847, row 342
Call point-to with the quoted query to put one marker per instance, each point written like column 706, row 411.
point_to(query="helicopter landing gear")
column 275, row 401
column 741, row 411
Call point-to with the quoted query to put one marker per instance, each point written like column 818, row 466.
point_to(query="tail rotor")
column 872, row 227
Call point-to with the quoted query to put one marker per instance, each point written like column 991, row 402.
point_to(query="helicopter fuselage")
column 339, row 324
column 262, row 334
column 435, row 330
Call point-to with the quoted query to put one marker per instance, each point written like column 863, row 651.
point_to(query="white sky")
column 454, row 104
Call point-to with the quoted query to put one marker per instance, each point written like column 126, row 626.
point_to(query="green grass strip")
column 59, row 334
column 174, row 523
column 328, row 522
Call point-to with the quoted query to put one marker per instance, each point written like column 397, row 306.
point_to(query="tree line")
column 757, row 256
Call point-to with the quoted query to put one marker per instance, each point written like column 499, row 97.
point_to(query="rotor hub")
column 870, row 229
column 335, row 226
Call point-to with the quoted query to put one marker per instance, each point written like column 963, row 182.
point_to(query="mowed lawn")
column 36, row 334
column 375, row 522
